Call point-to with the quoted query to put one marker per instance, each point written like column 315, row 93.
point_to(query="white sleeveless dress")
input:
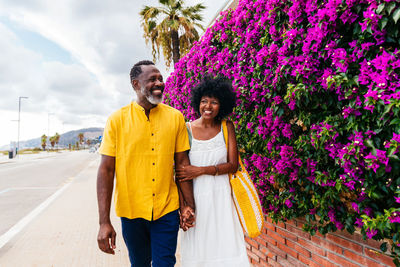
column 217, row 239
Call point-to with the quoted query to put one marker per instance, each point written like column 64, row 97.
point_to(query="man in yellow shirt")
column 141, row 143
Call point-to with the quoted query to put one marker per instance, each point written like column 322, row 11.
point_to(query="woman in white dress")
column 217, row 238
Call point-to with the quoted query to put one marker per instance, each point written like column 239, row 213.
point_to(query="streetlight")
column 19, row 118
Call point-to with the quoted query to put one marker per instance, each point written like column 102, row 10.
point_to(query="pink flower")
column 288, row 203
column 371, row 233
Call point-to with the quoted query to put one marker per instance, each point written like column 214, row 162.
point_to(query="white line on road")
column 28, row 218
column 26, row 188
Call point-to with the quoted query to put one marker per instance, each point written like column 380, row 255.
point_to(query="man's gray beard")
column 153, row 100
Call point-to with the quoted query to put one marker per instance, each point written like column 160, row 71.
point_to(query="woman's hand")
column 188, row 172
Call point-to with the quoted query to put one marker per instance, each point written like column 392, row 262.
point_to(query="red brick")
column 264, row 230
column 305, row 260
column 282, row 225
column 269, row 240
column 268, row 219
column 310, row 246
column 340, row 260
column 252, row 242
column 298, row 232
column 322, row 261
column 274, row 264
column 287, row 250
column 284, row 262
column 270, row 226
column 260, row 241
column 248, row 246
column 355, row 237
column 263, row 263
column 292, row 223
column 298, row 248
column 374, row 243
column 300, row 224
column 277, row 237
column 268, row 253
column 260, row 264
column 293, row 261
column 259, row 254
column 286, row 234
column 326, row 244
column 253, row 256
column 277, row 251
column 379, row 256
column 360, row 259
column 344, row 243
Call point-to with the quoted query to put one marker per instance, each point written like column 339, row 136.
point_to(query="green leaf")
column 395, row 121
column 383, row 22
column 380, row 8
column 384, row 247
column 390, row 7
column 396, row 15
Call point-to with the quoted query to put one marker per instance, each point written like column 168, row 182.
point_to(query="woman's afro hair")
column 220, row 88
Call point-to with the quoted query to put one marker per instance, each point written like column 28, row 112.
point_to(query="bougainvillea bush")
column 317, row 117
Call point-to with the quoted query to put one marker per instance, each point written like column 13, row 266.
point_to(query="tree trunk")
column 175, row 46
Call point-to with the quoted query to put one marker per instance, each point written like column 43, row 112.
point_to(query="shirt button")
column 152, row 134
column 154, row 195
column 153, row 180
column 152, row 149
column 154, row 163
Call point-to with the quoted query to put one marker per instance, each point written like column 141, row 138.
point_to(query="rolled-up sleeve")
column 108, row 143
column 182, row 138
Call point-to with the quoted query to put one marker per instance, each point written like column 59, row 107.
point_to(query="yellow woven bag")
column 245, row 197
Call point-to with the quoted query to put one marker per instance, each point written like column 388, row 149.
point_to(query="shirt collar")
column 137, row 106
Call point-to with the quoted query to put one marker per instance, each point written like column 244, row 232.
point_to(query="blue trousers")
column 151, row 243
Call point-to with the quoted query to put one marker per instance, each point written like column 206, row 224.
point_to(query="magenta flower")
column 371, row 233
column 288, row 203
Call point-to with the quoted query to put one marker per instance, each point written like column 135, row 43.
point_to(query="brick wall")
column 285, row 244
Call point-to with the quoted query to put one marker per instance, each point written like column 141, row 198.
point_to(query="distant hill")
column 70, row 137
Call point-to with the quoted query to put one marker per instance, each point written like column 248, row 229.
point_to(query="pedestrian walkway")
column 23, row 157
column 64, row 234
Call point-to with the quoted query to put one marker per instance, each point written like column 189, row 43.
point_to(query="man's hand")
column 187, row 217
column 106, row 238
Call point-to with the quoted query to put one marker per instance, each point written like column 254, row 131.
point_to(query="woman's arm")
column 190, row 172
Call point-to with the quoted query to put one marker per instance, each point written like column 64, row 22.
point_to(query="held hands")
column 189, row 172
column 106, row 238
column 187, row 217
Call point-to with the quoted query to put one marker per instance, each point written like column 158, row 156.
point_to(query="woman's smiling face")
column 209, row 107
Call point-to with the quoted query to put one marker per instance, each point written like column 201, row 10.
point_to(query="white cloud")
column 103, row 37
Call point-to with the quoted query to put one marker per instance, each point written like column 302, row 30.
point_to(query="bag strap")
column 225, row 133
column 189, row 130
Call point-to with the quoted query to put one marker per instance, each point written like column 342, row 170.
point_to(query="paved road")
column 29, row 180
column 63, row 232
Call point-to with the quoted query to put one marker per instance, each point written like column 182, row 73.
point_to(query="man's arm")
column 185, row 190
column 105, row 184
column 181, row 160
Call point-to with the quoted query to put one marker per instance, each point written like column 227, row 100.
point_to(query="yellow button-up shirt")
column 144, row 156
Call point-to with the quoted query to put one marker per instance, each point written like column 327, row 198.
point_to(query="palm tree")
column 176, row 32
column 80, row 136
column 52, row 141
column 44, row 141
column 57, row 139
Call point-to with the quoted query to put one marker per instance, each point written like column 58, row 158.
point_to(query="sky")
column 71, row 59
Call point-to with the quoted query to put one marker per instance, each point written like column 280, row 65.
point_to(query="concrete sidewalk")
column 64, row 233
column 24, row 157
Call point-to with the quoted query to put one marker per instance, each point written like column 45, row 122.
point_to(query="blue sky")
column 72, row 60
column 31, row 40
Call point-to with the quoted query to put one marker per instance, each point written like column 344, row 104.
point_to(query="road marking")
column 26, row 188
column 5, row 190
column 28, row 218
